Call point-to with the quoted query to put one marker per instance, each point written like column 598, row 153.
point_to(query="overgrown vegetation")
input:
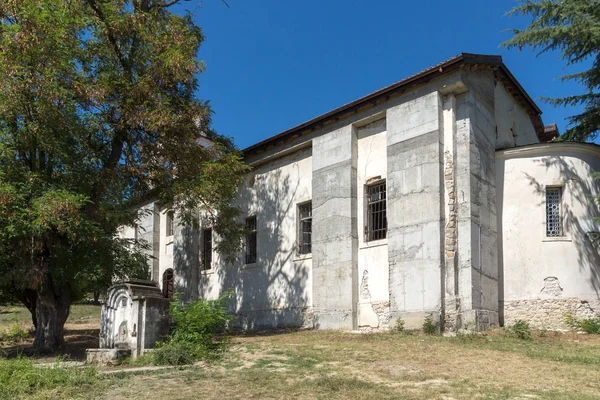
column 520, row 330
column 20, row 378
column 198, row 331
column 587, row 325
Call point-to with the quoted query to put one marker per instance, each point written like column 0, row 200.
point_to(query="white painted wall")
column 528, row 256
column 514, row 126
column 165, row 249
column 280, row 278
column 373, row 268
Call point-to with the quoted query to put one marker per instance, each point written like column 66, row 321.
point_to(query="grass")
column 336, row 365
column 21, row 379
column 80, row 314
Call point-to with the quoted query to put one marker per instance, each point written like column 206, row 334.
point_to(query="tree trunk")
column 52, row 308
column 29, row 298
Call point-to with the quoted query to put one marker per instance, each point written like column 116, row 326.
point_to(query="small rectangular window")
column 305, row 228
column 376, row 227
column 554, row 212
column 206, row 249
column 170, row 223
column 251, row 240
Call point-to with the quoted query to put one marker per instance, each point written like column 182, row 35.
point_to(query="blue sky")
column 273, row 64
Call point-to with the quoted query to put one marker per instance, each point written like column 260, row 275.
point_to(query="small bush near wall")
column 429, row 326
column 196, row 329
column 588, row 325
column 520, row 330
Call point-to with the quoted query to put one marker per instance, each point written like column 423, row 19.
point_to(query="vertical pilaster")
column 415, row 208
column 335, row 237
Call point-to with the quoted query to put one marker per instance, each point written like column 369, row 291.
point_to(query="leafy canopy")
column 571, row 27
column 98, row 108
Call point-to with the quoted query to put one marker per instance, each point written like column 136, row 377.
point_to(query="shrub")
column 520, row 330
column 588, row 325
column 195, row 333
column 429, row 326
column 399, row 327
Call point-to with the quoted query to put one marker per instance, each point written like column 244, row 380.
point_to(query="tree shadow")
column 274, row 291
column 579, row 225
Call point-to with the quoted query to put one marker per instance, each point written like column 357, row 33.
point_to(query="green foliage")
column 196, row 326
column 399, row 326
column 520, row 330
column 98, row 111
column 19, row 378
column 571, row 27
column 14, row 333
column 587, row 325
column 429, row 326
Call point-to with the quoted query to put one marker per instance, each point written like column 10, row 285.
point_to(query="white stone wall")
column 373, row 268
column 277, row 289
column 514, row 126
column 544, row 277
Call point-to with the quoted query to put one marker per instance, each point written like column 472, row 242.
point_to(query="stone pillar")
column 415, row 209
column 476, row 204
column 451, row 300
column 335, row 237
column 149, row 230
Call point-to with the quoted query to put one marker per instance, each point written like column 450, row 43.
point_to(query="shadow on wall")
column 272, row 292
column 580, row 189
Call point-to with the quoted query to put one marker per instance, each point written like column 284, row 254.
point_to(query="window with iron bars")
column 206, row 249
column 251, row 240
column 305, row 228
column 376, row 227
column 554, row 212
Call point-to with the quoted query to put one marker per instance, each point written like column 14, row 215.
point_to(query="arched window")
column 168, row 284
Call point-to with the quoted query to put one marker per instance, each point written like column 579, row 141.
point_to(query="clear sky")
column 273, row 64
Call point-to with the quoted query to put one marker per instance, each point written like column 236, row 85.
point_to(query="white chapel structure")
column 441, row 196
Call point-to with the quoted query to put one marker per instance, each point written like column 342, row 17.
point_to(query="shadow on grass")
column 76, row 342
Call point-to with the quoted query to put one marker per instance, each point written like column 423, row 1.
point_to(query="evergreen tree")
column 571, row 27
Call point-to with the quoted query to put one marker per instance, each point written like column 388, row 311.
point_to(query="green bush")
column 196, row 333
column 19, row 378
column 429, row 326
column 588, row 325
column 399, row 327
column 520, row 330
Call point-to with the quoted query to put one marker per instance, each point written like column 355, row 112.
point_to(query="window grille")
column 207, row 249
column 170, row 224
column 305, row 228
column 553, row 212
column 251, row 240
column 376, row 212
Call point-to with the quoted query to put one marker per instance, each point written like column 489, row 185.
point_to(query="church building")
column 440, row 196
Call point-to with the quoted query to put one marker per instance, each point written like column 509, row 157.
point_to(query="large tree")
column 98, row 108
column 571, row 27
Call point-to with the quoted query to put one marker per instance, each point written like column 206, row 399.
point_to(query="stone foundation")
column 549, row 313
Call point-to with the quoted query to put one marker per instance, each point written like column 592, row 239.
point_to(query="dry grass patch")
column 335, row 365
